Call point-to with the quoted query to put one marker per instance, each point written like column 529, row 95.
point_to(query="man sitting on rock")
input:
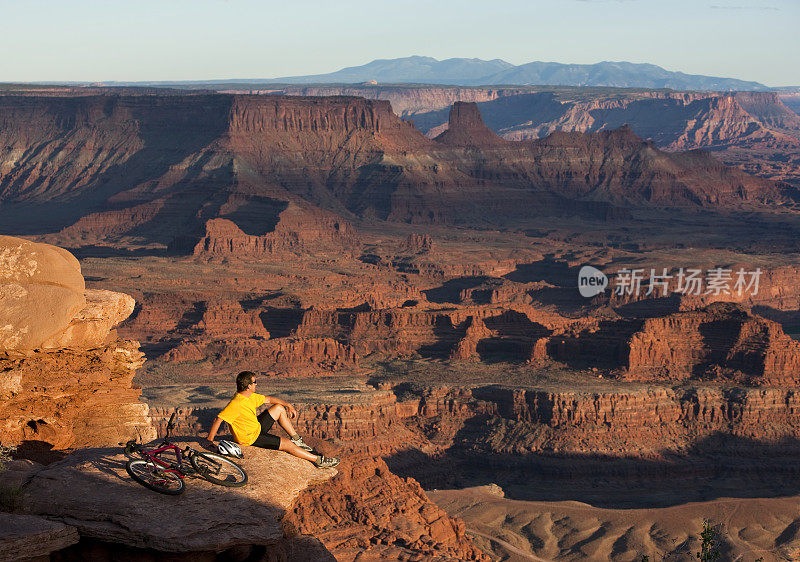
column 249, row 429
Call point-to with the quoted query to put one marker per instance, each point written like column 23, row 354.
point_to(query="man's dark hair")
column 243, row 380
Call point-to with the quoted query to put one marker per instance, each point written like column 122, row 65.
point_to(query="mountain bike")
column 155, row 470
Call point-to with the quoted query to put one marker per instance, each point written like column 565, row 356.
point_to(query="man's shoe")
column 326, row 462
column 300, row 443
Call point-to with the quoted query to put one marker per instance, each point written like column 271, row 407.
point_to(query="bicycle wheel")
column 219, row 470
column 155, row 478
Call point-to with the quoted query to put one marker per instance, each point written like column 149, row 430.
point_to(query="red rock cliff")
column 157, row 169
column 65, row 378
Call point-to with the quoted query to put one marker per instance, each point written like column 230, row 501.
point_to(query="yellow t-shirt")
column 240, row 413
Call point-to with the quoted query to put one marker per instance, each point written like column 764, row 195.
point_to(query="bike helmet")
column 230, row 448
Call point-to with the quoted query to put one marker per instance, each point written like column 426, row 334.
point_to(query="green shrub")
column 708, row 543
column 5, row 455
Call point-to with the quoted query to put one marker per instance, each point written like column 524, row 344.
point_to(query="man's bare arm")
column 212, row 433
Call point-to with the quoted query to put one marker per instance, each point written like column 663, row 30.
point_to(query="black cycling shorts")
column 266, row 440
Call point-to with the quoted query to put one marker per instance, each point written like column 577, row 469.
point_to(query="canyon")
column 418, row 299
column 67, row 389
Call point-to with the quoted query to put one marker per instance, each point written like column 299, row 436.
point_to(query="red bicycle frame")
column 167, row 466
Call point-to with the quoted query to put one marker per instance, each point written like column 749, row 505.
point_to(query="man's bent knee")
column 276, row 410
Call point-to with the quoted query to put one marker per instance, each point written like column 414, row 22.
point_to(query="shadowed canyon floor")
column 524, row 530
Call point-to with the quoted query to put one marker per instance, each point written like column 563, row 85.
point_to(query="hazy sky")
column 91, row 40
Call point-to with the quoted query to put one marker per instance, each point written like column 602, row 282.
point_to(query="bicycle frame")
column 167, row 466
column 177, row 469
column 207, row 468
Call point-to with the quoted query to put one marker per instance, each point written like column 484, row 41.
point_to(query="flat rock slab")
column 28, row 536
column 91, row 490
column 18, row 471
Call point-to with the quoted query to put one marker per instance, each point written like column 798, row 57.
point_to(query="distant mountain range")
column 496, row 72
column 425, row 70
column 477, row 72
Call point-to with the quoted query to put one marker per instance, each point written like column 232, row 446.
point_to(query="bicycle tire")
column 226, row 473
column 155, row 478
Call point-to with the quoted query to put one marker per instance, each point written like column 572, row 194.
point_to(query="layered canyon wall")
column 753, row 130
column 672, row 119
column 411, row 424
column 149, row 170
column 520, row 318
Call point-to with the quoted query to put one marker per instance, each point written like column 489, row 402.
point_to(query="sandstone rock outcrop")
column 65, row 379
column 677, row 120
column 653, row 177
column 427, row 332
column 467, row 347
column 465, row 128
column 508, row 109
column 278, row 357
column 44, row 303
column 71, row 399
column 231, row 335
column 41, row 291
column 641, row 421
column 226, row 319
column 418, row 243
column 718, row 340
column 366, row 427
column 297, row 230
column 757, row 131
column 368, row 513
column 93, row 326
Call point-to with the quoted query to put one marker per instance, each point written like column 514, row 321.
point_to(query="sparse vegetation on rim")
column 9, row 495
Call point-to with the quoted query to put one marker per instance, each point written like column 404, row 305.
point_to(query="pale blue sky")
column 204, row 39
